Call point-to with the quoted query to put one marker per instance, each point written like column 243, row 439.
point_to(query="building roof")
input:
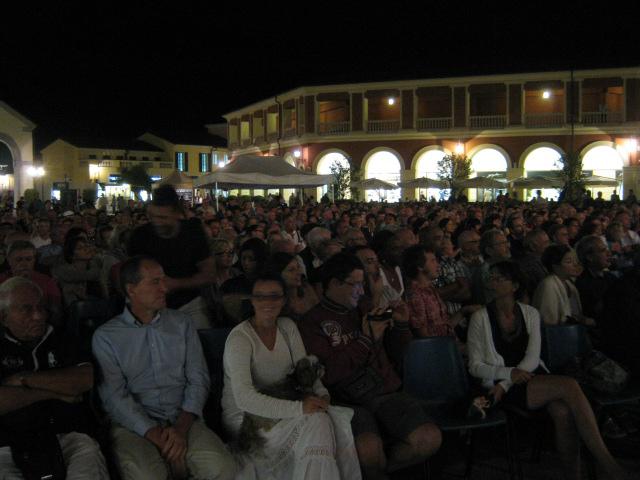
column 192, row 137
column 28, row 123
column 103, row 143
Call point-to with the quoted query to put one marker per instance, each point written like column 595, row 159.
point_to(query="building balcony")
column 487, row 121
column 259, row 140
column 290, row 132
column 600, row 118
column 334, row 128
column 442, row 123
column 383, row 126
column 272, row 137
column 245, row 142
column 541, row 120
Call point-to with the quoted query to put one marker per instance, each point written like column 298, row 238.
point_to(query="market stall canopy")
column 536, row 182
column 482, row 182
column 598, row 181
column 178, row 180
column 423, row 182
column 253, row 171
column 373, row 184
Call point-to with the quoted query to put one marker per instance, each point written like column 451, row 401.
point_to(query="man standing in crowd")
column 42, row 383
column 155, row 383
column 181, row 247
column 349, row 344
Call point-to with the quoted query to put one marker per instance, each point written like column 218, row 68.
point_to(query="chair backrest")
column 213, row 341
column 434, row 371
column 85, row 316
column 560, row 343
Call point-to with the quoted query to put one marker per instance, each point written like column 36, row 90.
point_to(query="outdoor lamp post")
column 37, row 172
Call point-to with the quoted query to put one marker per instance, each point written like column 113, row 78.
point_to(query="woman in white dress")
column 312, row 440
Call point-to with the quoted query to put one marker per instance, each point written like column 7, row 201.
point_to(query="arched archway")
column 487, row 161
column 383, row 164
column 7, row 161
column 542, row 161
column 604, row 160
column 323, row 163
column 425, row 164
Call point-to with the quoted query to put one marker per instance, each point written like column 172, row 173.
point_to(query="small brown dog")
column 296, row 386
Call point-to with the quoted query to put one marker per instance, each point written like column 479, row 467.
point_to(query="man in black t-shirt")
column 41, row 384
column 181, row 248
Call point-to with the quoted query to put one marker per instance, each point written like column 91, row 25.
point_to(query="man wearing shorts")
column 349, row 344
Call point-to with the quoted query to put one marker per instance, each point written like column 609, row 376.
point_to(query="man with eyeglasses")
column 351, row 345
column 494, row 247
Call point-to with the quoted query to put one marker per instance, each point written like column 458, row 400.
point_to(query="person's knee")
column 560, row 412
column 218, row 465
column 370, row 450
column 426, row 439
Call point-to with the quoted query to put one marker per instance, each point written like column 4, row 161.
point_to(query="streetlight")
column 37, row 172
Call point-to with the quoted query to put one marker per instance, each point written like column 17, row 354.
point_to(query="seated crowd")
column 345, row 284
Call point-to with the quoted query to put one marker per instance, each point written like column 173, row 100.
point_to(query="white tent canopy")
column 178, row 180
column 253, row 171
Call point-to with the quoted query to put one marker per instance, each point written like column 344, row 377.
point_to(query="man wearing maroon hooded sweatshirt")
column 347, row 343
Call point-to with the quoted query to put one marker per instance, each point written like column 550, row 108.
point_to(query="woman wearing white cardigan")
column 312, row 439
column 556, row 297
column 504, row 344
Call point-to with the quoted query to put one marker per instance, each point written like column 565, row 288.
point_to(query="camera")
column 386, row 315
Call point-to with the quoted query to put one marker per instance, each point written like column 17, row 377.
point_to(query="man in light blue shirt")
column 155, row 383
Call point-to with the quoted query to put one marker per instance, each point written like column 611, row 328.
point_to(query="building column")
column 630, row 180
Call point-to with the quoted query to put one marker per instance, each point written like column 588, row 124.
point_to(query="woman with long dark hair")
column 301, row 297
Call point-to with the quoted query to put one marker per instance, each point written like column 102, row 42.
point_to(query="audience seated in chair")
column 42, row 383
column 155, row 383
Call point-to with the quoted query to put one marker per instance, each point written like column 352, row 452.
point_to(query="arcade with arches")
column 323, row 167
column 384, row 165
column 487, row 161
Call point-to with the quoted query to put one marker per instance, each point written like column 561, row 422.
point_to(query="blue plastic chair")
column 560, row 343
column 435, row 373
column 213, row 341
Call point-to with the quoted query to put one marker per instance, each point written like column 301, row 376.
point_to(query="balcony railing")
column 383, row 126
column 599, row 118
column 272, row 137
column 258, row 140
column 441, row 123
column 290, row 132
column 334, row 128
column 540, row 120
column 166, row 165
column 487, row 121
column 246, row 142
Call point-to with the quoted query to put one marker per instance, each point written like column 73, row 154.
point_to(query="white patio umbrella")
column 423, row 182
column 536, row 182
column 373, row 184
column 598, row 181
column 482, row 182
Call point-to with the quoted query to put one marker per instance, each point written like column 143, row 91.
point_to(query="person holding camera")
column 360, row 372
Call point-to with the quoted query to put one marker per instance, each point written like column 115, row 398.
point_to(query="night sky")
column 117, row 71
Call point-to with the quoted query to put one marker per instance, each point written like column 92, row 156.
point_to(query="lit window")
column 182, row 162
column 204, row 163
